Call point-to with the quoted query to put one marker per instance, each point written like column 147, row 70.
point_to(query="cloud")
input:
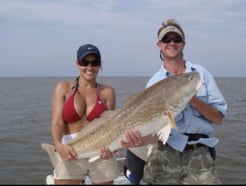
column 49, row 32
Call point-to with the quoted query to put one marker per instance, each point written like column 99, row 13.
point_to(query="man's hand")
column 133, row 139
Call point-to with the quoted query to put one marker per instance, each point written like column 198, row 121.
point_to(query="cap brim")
column 87, row 53
column 170, row 29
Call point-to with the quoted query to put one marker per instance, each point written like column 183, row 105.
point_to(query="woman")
column 74, row 104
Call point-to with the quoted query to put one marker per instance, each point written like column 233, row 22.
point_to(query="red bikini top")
column 69, row 113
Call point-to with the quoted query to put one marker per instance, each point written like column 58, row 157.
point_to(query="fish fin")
column 141, row 152
column 163, row 134
column 171, row 119
column 92, row 159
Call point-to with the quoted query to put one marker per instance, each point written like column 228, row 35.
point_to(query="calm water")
column 26, row 114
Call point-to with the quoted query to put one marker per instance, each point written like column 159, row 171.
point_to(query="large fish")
column 150, row 111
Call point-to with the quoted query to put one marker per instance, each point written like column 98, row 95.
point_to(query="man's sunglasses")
column 93, row 63
column 168, row 39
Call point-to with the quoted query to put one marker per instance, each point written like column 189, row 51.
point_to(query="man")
column 188, row 157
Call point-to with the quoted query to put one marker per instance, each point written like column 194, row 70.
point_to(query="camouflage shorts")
column 168, row 166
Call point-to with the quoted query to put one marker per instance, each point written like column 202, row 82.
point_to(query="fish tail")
column 54, row 157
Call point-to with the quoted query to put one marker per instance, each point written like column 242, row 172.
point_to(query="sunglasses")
column 176, row 39
column 93, row 63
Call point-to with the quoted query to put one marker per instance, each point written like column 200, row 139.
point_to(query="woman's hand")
column 66, row 152
column 105, row 153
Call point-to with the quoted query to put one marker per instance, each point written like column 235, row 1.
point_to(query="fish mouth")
column 199, row 84
column 200, row 81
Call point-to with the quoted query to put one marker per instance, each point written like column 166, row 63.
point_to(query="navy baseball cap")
column 86, row 49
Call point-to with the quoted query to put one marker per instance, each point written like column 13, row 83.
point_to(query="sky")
column 41, row 37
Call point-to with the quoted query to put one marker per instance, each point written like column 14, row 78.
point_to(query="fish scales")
column 144, row 111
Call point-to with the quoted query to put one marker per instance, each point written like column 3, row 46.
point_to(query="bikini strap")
column 76, row 84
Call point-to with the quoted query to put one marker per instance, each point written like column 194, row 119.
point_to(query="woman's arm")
column 57, row 124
